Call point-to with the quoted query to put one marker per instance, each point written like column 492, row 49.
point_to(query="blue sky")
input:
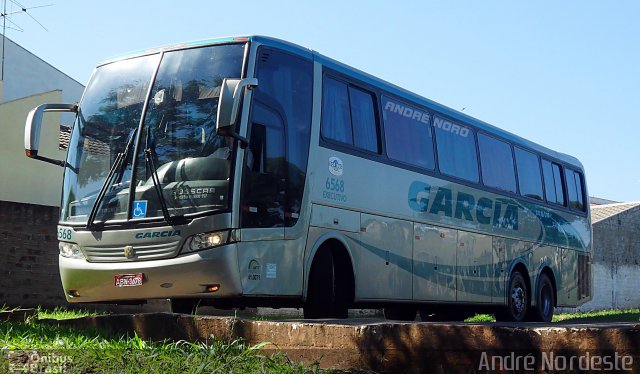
column 563, row 74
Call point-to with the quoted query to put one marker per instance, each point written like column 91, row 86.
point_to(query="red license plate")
column 128, row 280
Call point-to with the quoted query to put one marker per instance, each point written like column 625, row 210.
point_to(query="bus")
column 249, row 171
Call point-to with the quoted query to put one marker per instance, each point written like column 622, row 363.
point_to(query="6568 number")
column 334, row 184
column 64, row 233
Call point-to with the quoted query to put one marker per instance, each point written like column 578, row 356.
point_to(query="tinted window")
column 274, row 185
column 363, row 119
column 263, row 190
column 348, row 115
column 336, row 114
column 496, row 161
column 574, row 189
column 552, row 182
column 407, row 134
column 456, row 149
column 529, row 177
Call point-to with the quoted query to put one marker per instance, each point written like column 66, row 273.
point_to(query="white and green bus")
column 250, row 171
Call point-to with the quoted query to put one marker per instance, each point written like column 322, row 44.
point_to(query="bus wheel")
column 184, row 306
column 517, row 300
column 400, row 313
column 545, row 300
column 321, row 293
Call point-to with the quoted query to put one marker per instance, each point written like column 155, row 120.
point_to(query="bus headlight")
column 70, row 250
column 206, row 240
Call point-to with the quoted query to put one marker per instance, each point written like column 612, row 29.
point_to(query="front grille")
column 141, row 252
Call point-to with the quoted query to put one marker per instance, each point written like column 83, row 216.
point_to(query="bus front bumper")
column 190, row 276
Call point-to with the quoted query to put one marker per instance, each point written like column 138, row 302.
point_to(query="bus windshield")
column 175, row 143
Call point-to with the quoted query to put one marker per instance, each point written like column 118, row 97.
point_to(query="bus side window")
column 336, row 114
column 264, row 183
column 552, row 182
column 280, row 132
column 574, row 189
column 286, row 82
column 408, row 137
column 529, row 177
column 349, row 115
column 456, row 144
column 363, row 120
column 496, row 160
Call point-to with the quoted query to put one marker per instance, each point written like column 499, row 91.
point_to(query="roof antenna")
column 5, row 18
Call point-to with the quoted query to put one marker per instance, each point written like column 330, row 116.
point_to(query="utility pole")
column 21, row 9
column 4, row 32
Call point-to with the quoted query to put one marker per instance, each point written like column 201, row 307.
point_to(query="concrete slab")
column 403, row 347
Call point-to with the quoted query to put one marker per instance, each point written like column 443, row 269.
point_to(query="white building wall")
column 25, row 74
column 615, row 287
column 616, row 265
column 22, row 179
column 28, row 82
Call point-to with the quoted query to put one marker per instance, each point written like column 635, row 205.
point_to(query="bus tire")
column 517, row 300
column 545, row 300
column 321, row 292
column 400, row 312
column 184, row 306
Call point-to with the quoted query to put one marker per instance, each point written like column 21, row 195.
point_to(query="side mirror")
column 231, row 92
column 34, row 125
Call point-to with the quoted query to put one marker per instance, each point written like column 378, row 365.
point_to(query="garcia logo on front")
column 336, row 167
column 157, row 234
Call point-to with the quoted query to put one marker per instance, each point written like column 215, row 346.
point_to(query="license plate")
column 128, row 280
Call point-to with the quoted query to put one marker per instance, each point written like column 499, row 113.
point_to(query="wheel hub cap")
column 518, row 299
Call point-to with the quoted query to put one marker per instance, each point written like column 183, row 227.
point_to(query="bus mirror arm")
column 61, row 163
column 231, row 92
column 33, row 127
column 244, row 142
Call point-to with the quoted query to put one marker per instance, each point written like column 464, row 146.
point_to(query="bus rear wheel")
column 517, row 300
column 545, row 300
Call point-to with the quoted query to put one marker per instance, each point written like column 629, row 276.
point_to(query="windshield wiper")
column 149, row 153
column 118, row 164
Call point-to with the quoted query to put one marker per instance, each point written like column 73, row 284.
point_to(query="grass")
column 481, row 318
column 59, row 349
column 64, row 313
column 627, row 315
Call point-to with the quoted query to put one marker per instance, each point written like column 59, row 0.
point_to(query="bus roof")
column 374, row 81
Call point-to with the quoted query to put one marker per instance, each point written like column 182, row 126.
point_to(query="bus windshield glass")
column 175, row 140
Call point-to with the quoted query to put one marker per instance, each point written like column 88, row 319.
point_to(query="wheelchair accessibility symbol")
column 139, row 209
